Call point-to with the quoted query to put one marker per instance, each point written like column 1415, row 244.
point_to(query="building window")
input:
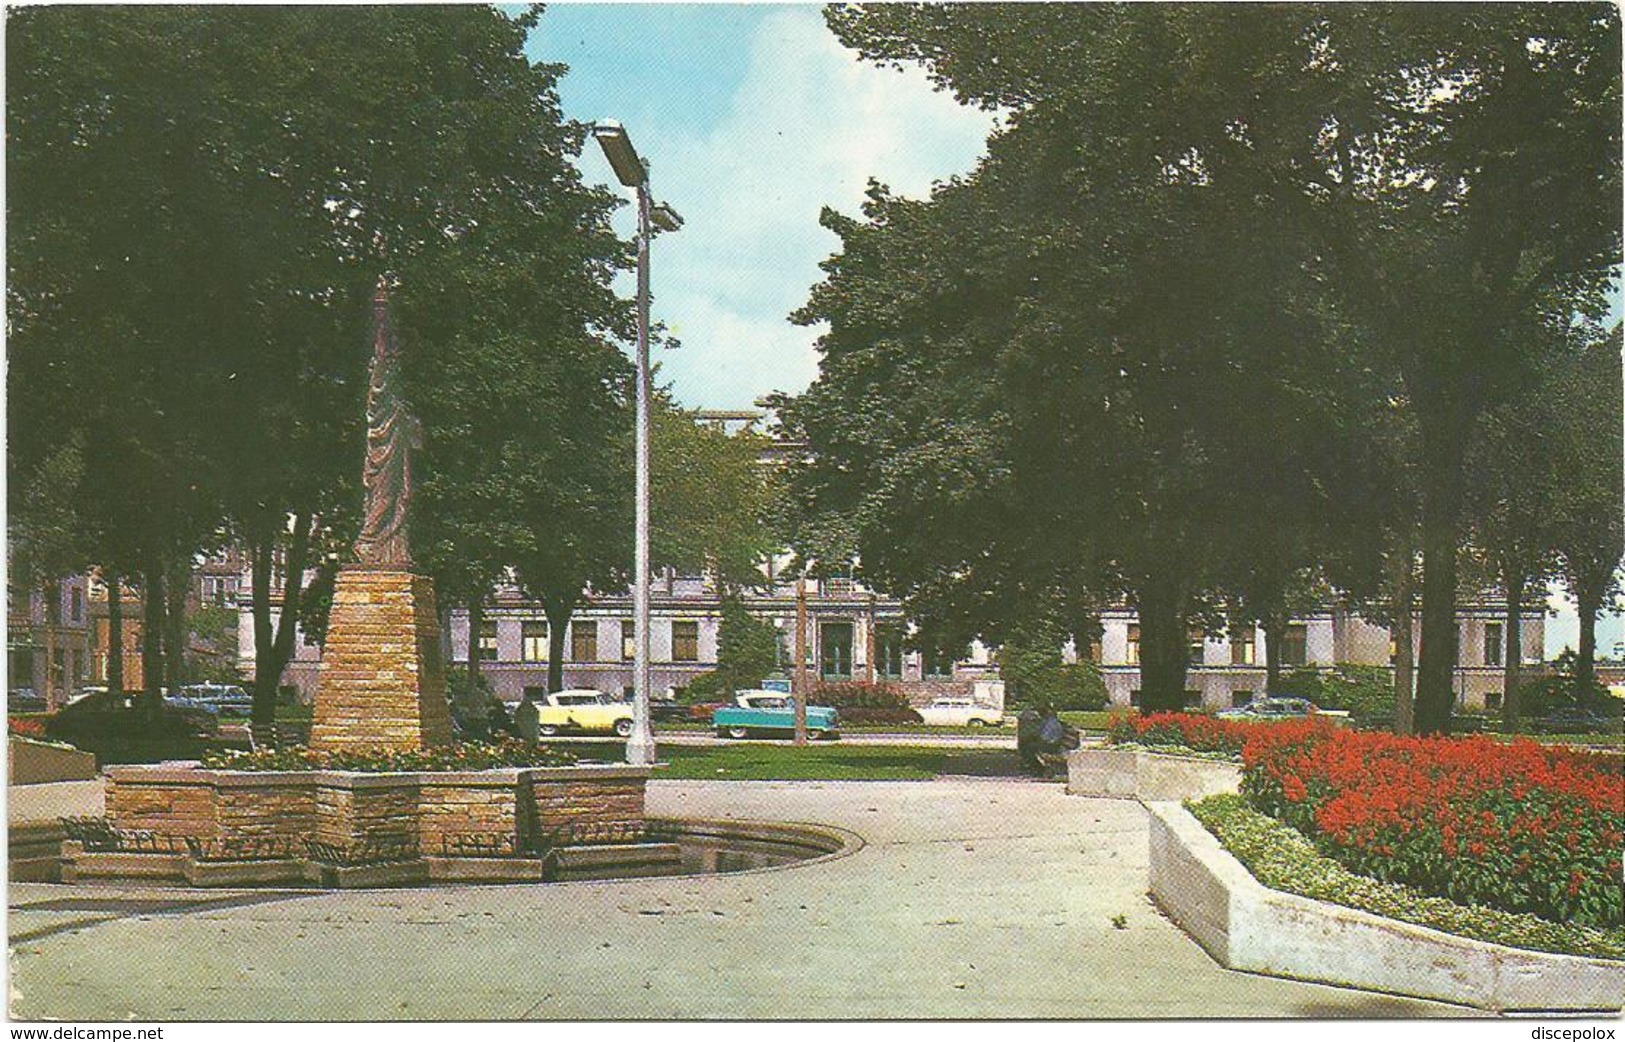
column 937, row 662
column 76, row 611
column 1097, row 653
column 1295, row 645
column 1240, row 697
column 1494, row 641
column 838, row 586
column 1134, row 697
column 583, row 641
column 1243, row 650
column 1133, row 655
column 488, row 642
column 889, row 652
column 835, row 650
column 1492, row 700
column 685, row 640
column 1193, row 699
column 533, row 640
column 629, row 641
column 1197, row 638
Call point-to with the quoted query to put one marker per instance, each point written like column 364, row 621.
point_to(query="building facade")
column 855, row 634
column 1228, row 669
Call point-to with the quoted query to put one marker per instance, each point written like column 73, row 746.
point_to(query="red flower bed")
column 26, row 728
column 1191, row 730
column 1515, row 826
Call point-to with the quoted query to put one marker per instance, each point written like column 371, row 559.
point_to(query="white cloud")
column 808, row 126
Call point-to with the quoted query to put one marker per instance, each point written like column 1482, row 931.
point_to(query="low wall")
column 1134, row 774
column 345, row 808
column 33, row 763
column 1246, row 926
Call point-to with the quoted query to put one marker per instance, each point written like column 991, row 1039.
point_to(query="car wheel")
column 547, row 730
column 738, row 732
column 977, row 721
column 815, row 735
column 623, row 728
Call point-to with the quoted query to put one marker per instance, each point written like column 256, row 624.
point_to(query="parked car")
column 1271, row 709
column 107, row 724
column 668, row 709
column 583, row 710
column 961, row 712
column 1584, row 719
column 771, row 713
column 219, row 699
column 25, row 700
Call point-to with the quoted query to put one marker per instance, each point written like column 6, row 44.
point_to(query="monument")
column 382, row 683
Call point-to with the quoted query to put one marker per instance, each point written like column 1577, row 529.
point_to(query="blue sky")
column 752, row 118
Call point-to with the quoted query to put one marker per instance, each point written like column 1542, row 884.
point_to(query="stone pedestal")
column 382, row 682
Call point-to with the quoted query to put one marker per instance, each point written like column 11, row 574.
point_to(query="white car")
column 961, row 712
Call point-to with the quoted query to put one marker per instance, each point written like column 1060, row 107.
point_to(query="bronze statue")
column 392, row 435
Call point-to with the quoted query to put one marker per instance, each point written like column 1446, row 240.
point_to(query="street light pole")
column 633, row 173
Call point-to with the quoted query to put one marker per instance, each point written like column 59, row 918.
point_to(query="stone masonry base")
column 398, row 824
column 382, row 683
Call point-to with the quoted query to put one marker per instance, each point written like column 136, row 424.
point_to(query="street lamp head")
column 665, row 218
column 617, row 146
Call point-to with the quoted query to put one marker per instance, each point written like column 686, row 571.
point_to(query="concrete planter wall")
column 31, row 763
column 1133, row 774
column 1247, row 926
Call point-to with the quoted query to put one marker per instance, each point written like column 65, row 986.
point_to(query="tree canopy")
column 1216, row 265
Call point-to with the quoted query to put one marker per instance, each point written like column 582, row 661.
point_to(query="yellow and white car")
column 583, row 711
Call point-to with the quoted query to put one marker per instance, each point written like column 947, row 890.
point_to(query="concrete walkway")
column 971, row 898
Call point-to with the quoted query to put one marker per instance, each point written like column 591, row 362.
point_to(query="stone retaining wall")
column 1246, row 926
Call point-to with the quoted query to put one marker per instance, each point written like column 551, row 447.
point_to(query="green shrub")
column 1364, row 691
column 1030, row 663
column 463, row 756
column 862, row 703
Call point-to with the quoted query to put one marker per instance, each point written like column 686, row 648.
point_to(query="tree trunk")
column 1441, row 511
column 1512, row 580
column 152, row 639
column 1404, row 611
column 1588, row 600
column 558, row 611
column 1164, row 650
column 1274, row 627
column 261, row 553
column 272, row 650
column 175, row 629
column 51, row 595
column 115, row 633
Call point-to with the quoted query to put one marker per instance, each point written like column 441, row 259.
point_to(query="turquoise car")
column 770, row 714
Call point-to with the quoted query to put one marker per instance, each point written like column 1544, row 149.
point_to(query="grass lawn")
column 825, row 761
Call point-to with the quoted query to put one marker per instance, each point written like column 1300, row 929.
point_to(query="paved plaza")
column 969, row 898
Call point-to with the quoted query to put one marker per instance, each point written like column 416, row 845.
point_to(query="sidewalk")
column 970, row 898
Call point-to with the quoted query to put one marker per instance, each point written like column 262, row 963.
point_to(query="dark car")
column 1583, row 719
column 111, row 726
column 664, row 710
column 25, row 700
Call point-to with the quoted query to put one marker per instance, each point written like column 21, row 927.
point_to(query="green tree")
column 200, row 220
column 1226, row 190
column 1586, row 445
